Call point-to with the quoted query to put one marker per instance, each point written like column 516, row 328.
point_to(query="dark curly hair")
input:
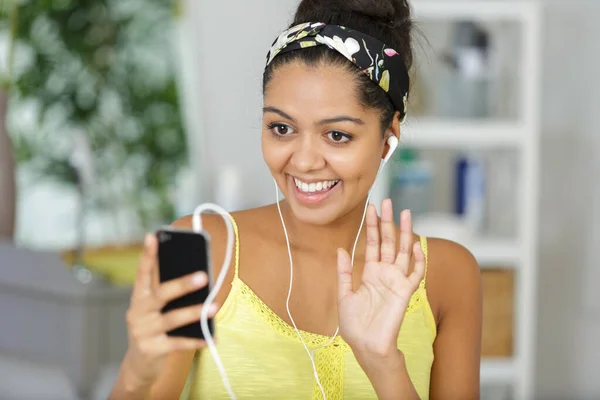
column 387, row 20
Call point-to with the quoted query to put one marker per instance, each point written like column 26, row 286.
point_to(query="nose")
column 307, row 155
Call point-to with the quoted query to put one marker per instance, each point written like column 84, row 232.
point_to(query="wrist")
column 133, row 383
column 388, row 375
column 388, row 362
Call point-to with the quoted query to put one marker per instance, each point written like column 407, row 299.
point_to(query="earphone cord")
column 287, row 303
column 197, row 227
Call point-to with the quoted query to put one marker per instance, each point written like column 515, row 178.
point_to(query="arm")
column 389, row 377
column 144, row 374
column 456, row 286
column 168, row 386
column 371, row 317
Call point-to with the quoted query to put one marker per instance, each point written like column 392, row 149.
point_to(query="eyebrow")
column 341, row 118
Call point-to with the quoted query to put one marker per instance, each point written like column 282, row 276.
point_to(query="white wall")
column 232, row 38
column 568, row 328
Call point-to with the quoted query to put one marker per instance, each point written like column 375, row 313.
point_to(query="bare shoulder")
column 453, row 275
column 251, row 221
column 455, row 296
column 258, row 218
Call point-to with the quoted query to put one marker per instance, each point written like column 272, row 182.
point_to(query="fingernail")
column 148, row 240
column 199, row 279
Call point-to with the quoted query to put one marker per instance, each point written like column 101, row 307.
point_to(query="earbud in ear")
column 393, row 143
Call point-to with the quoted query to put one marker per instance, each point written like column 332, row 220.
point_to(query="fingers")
column 176, row 288
column 344, row 274
column 159, row 323
column 182, row 344
column 142, row 287
column 418, row 273
column 406, row 239
column 160, row 345
column 185, row 316
column 148, row 294
column 388, row 233
column 372, row 250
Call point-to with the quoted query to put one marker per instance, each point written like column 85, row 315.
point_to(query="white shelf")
column 442, row 133
column 501, row 371
column 522, row 135
column 496, row 252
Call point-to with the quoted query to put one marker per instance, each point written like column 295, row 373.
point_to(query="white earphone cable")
column 287, row 303
column 197, row 227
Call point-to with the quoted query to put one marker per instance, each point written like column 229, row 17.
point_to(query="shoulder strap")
column 423, row 240
column 237, row 248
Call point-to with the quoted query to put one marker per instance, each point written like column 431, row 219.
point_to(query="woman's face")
column 322, row 146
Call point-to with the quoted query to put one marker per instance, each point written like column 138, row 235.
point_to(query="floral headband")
column 380, row 63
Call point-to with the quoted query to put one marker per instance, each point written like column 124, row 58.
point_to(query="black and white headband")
column 382, row 64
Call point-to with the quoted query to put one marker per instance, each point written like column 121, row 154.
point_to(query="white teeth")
column 314, row 187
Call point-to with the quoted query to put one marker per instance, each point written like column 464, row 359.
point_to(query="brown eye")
column 280, row 129
column 338, row 137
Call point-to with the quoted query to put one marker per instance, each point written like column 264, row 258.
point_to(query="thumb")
column 344, row 267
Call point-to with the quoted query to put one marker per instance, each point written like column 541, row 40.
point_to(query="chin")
column 317, row 217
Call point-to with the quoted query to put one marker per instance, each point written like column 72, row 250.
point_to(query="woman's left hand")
column 370, row 317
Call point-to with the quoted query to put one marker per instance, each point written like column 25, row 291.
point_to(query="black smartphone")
column 180, row 253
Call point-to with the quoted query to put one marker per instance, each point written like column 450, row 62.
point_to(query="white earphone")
column 393, row 143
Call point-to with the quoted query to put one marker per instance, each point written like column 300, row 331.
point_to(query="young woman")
column 408, row 309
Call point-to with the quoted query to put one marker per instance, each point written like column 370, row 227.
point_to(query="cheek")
column 361, row 163
column 273, row 153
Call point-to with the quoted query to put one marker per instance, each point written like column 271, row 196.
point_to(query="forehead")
column 322, row 90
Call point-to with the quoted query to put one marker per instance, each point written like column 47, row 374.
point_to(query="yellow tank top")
column 265, row 359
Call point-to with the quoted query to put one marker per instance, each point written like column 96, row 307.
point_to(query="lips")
column 314, row 192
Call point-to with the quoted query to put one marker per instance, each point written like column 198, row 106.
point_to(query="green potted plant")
column 100, row 72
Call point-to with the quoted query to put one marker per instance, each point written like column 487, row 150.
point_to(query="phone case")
column 182, row 253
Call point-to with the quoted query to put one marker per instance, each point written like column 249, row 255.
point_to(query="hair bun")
column 381, row 10
column 387, row 20
column 388, row 12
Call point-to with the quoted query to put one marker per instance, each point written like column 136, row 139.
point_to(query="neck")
column 325, row 238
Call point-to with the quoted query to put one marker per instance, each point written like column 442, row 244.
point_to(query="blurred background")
column 118, row 116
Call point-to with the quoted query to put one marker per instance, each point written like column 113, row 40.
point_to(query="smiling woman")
column 316, row 306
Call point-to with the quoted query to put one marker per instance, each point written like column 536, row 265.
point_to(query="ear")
column 393, row 130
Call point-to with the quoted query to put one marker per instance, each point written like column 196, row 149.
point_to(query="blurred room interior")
column 117, row 117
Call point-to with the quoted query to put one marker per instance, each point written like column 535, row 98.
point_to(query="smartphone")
column 181, row 253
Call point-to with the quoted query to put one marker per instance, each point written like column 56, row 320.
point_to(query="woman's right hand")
column 147, row 326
